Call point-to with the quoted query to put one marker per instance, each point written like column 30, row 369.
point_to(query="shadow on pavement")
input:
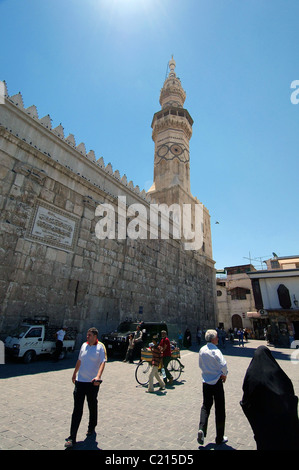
column 14, row 367
column 233, row 349
column 89, row 443
column 248, row 350
column 42, row 364
column 213, row 446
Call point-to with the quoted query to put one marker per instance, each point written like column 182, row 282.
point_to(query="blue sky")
column 97, row 67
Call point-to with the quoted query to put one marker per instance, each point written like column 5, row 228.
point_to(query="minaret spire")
column 172, row 66
column 172, row 93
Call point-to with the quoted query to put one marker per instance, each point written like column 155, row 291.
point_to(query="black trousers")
column 137, row 350
column 213, row 393
column 90, row 391
column 58, row 349
column 166, row 361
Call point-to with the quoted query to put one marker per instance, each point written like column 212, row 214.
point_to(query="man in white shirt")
column 59, row 343
column 214, row 372
column 89, row 367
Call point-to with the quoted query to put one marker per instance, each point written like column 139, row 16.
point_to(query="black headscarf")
column 270, row 404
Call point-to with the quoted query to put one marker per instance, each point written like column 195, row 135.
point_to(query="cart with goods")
column 144, row 366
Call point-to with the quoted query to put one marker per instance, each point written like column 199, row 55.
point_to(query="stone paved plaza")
column 36, row 403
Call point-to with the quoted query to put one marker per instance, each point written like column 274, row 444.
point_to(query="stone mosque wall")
column 51, row 261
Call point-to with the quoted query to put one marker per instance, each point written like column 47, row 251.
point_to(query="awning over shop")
column 291, row 314
column 253, row 315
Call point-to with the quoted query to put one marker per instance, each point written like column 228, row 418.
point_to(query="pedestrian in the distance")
column 187, row 339
column 129, row 353
column 180, row 339
column 165, row 345
column 214, row 371
column 138, row 342
column 89, row 367
column 241, row 337
column 60, row 334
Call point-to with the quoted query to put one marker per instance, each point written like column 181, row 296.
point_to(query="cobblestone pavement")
column 36, row 402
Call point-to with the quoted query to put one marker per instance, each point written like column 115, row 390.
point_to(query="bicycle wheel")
column 174, row 368
column 142, row 372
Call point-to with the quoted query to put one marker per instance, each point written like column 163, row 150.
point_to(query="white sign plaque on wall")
column 53, row 226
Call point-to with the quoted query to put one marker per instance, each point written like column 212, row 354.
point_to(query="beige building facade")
column 53, row 261
column 235, row 297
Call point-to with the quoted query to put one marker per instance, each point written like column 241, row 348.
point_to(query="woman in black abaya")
column 187, row 339
column 270, row 404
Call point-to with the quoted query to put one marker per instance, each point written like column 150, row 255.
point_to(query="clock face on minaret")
column 172, row 130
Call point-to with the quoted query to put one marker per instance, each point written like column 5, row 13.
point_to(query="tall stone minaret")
column 172, row 131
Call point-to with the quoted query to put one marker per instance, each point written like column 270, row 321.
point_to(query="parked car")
column 116, row 342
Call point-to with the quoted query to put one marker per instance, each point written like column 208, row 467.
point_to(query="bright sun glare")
column 130, row 6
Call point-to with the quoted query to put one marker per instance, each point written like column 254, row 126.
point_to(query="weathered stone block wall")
column 90, row 281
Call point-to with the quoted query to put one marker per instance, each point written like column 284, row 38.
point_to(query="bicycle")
column 144, row 367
